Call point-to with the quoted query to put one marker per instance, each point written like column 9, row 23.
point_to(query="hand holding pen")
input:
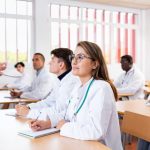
column 37, row 125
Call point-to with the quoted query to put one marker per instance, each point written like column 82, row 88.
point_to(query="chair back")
column 137, row 125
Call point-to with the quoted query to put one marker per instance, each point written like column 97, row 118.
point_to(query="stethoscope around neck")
column 81, row 105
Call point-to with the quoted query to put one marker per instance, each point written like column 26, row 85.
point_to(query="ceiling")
column 140, row 4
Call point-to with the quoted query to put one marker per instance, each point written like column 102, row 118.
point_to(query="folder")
column 37, row 134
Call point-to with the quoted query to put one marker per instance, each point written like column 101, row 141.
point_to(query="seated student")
column 131, row 81
column 22, row 81
column 60, row 65
column 91, row 112
column 42, row 83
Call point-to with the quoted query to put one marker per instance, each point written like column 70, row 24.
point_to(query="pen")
column 37, row 116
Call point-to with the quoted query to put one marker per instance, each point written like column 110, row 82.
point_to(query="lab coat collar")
column 130, row 71
column 63, row 74
column 87, row 83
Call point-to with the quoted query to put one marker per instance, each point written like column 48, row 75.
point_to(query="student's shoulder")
column 101, row 83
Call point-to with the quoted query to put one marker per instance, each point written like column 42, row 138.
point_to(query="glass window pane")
column 64, row 35
column 2, row 39
column 115, row 17
column 54, row 11
column 99, row 35
column 11, row 6
column 107, row 42
column 91, row 32
column 73, row 36
column 122, row 39
column 84, row 13
column 64, row 12
column 29, row 40
column 91, row 14
column 99, row 15
column 22, row 38
column 11, row 39
column 84, row 32
column 73, row 13
column 21, row 7
column 122, row 18
column 2, row 6
column 107, row 16
column 54, row 35
column 30, row 8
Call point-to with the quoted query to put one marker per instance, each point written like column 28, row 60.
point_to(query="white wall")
column 144, row 58
column 42, row 28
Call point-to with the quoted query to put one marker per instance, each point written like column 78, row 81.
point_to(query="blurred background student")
column 131, row 80
column 23, row 81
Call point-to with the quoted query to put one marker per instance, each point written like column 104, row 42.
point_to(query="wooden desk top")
column 137, row 106
column 10, row 140
column 124, row 95
column 6, row 98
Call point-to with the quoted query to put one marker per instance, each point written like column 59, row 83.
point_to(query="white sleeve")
column 48, row 102
column 100, row 108
column 39, row 92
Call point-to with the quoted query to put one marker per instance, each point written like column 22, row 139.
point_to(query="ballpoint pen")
column 37, row 117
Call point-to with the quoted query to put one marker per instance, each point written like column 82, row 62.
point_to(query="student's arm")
column 39, row 92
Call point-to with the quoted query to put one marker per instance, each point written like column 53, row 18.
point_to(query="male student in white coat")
column 60, row 65
column 90, row 113
column 42, row 84
column 131, row 81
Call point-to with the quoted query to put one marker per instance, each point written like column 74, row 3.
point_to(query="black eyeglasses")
column 78, row 58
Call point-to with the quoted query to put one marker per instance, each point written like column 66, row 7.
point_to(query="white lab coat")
column 40, row 88
column 21, row 82
column 59, row 94
column 131, row 82
column 97, row 119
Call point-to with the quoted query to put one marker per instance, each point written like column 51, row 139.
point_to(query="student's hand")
column 15, row 94
column 60, row 124
column 37, row 125
column 2, row 66
column 22, row 110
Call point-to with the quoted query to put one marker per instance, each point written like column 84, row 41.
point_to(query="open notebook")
column 36, row 134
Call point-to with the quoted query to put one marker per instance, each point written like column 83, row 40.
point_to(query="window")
column 15, row 30
column 114, row 31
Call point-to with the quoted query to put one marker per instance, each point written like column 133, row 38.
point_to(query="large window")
column 15, row 30
column 114, row 31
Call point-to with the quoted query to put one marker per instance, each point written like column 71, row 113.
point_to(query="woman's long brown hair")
column 101, row 72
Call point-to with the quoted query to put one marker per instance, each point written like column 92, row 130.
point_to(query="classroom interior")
column 119, row 27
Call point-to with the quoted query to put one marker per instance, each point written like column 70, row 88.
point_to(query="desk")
column 137, row 106
column 9, row 140
column 4, row 98
column 146, row 91
column 124, row 95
